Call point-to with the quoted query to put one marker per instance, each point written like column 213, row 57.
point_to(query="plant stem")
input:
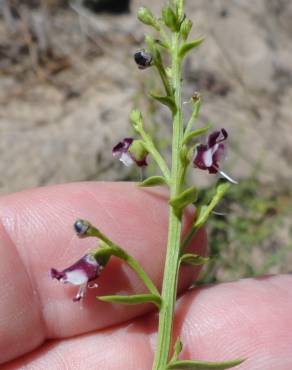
column 117, row 251
column 169, row 288
column 150, row 146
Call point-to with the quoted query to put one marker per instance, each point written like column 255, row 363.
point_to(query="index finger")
column 37, row 235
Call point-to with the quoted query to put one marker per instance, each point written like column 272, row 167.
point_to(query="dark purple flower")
column 125, row 149
column 209, row 155
column 143, row 59
column 80, row 273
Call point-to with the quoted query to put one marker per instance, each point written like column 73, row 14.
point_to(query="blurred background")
column 68, row 82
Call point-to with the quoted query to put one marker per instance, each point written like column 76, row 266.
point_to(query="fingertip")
column 40, row 224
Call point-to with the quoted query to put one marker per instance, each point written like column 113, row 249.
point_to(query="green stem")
column 192, row 119
column 169, row 288
column 120, row 253
column 164, row 37
column 150, row 146
column 164, row 78
column 188, row 238
column 205, row 212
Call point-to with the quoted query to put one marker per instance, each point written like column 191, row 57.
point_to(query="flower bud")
column 170, row 19
column 185, row 28
column 145, row 16
column 143, row 59
column 81, row 227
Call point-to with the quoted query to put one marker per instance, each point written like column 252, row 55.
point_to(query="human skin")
column 41, row 328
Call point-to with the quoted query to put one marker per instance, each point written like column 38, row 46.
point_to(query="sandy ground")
column 61, row 114
column 59, row 120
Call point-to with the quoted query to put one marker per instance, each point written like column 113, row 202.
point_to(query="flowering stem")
column 150, row 146
column 193, row 117
column 164, row 78
column 169, row 287
column 115, row 250
column 205, row 212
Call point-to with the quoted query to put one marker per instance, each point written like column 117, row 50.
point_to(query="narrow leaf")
column 109, row 248
column 196, row 133
column 197, row 106
column 185, row 28
column 170, row 19
column 165, row 100
column 205, row 211
column 177, row 349
column 202, row 365
column 189, row 46
column 185, row 198
column 132, row 299
column 193, row 259
column 222, row 187
column 153, row 181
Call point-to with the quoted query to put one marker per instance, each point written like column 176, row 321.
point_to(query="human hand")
column 41, row 328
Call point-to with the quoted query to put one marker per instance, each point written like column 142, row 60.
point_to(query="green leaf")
column 185, row 28
column 153, row 48
column 109, row 248
column 222, row 188
column 196, row 133
column 177, row 349
column 170, row 19
column 162, row 44
column 203, row 365
column 205, row 211
column 132, row 299
column 185, row 155
column 194, row 259
column 165, row 100
column 157, row 60
column 185, row 198
column 153, row 181
column 189, row 46
column 197, row 105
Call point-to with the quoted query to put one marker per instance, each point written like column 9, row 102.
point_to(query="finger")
column 38, row 235
column 246, row 319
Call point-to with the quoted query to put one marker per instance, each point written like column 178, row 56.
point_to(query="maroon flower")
column 129, row 152
column 209, row 155
column 80, row 273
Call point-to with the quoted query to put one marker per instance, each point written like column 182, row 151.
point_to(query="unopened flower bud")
column 185, row 28
column 143, row 59
column 145, row 16
column 81, row 227
column 170, row 19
